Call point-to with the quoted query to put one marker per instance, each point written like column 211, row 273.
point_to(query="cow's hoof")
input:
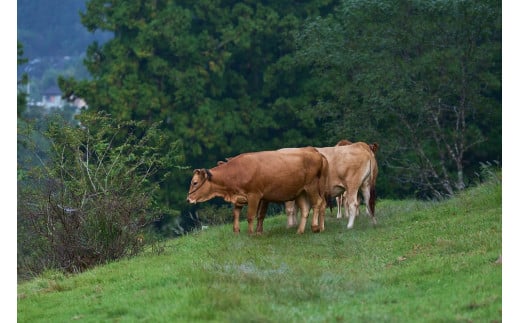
column 315, row 228
column 299, row 232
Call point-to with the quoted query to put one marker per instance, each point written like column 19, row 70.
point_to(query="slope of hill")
column 425, row 261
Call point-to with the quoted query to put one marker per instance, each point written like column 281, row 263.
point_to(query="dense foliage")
column 422, row 78
column 90, row 201
column 201, row 67
column 21, row 82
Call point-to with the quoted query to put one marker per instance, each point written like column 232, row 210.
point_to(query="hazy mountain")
column 53, row 28
column 54, row 42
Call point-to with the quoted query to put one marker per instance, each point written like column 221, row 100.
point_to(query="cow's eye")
column 194, row 183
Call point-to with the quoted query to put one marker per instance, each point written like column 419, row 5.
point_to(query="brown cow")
column 351, row 167
column 270, row 176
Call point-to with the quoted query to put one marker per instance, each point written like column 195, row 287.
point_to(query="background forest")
column 218, row 78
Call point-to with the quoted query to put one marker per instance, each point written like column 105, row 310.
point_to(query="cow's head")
column 200, row 189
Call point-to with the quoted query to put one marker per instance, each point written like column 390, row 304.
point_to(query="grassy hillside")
column 425, row 262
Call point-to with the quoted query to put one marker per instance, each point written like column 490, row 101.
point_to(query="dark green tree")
column 22, row 82
column 211, row 71
column 421, row 77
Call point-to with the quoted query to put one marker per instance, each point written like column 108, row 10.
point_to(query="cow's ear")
column 200, row 172
column 208, row 174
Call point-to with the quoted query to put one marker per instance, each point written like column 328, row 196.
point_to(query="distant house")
column 79, row 103
column 51, row 97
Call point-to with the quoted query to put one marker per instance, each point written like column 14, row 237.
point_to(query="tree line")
column 421, row 78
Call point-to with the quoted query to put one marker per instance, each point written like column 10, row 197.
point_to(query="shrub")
column 90, row 202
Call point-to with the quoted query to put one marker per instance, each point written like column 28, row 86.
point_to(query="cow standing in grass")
column 352, row 166
column 341, row 200
column 269, row 176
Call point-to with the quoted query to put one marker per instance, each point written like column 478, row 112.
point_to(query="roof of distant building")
column 53, row 90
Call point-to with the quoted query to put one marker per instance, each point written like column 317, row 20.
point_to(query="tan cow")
column 351, row 167
column 270, row 176
column 341, row 200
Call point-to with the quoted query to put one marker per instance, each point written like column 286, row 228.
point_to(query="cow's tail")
column 324, row 181
column 372, row 199
column 374, row 147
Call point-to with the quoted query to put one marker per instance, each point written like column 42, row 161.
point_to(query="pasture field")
column 424, row 262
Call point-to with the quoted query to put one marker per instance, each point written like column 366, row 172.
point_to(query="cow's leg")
column 322, row 215
column 262, row 210
column 290, row 210
column 345, row 203
column 339, row 201
column 365, row 190
column 252, row 210
column 353, row 207
column 318, row 214
column 236, row 217
column 303, row 205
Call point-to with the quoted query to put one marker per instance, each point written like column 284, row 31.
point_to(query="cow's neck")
column 224, row 188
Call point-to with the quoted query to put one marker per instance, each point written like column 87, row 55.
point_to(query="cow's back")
column 347, row 162
column 278, row 175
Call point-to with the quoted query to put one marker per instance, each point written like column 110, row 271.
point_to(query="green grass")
column 424, row 262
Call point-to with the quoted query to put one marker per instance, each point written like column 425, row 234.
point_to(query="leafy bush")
column 91, row 201
column 489, row 172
